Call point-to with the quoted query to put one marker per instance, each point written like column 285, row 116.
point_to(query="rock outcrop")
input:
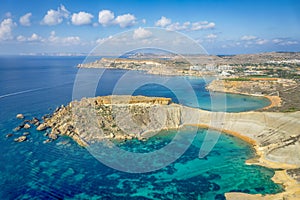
column 42, row 127
column 20, row 139
column 276, row 135
column 20, row 116
column 113, row 117
column 26, row 126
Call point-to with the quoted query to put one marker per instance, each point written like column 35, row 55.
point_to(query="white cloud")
column 163, row 22
column 211, row 36
column 284, row 42
column 144, row 21
column 81, row 18
column 125, row 20
column 71, row 40
column 21, row 38
column 95, row 24
column 202, row 25
column 106, row 17
column 277, row 41
column 53, row 39
column 6, row 27
column 249, row 40
column 65, row 41
column 54, row 17
column 178, row 27
column 167, row 23
column 33, row 38
column 25, row 19
column 290, row 43
column 248, row 37
column 101, row 40
column 261, row 41
column 141, row 33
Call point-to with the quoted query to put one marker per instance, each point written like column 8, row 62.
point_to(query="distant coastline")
column 275, row 76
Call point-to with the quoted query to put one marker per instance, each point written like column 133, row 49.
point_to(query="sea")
column 37, row 85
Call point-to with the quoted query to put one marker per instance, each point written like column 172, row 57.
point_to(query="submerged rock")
column 20, row 116
column 47, row 141
column 18, row 127
column 20, row 139
column 35, row 121
column 52, row 136
column 26, row 133
column 42, row 127
column 26, row 126
column 9, row 135
column 47, row 116
column 64, row 142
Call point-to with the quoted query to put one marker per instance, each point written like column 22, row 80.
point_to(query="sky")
column 77, row 27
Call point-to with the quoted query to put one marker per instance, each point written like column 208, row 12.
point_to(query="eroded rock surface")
column 118, row 117
column 90, row 120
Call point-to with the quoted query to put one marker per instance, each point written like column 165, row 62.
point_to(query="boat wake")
column 32, row 90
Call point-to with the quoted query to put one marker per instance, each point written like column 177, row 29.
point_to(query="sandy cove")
column 282, row 93
column 275, row 136
column 275, row 102
column 233, row 88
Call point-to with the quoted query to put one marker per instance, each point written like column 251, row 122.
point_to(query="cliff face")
column 114, row 117
column 90, row 120
column 275, row 136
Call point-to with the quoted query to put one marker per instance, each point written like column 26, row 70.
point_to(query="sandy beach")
column 274, row 136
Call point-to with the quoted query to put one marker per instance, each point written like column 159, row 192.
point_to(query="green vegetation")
column 291, row 109
column 237, row 79
column 258, row 76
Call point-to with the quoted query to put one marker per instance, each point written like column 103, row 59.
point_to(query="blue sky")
column 221, row 27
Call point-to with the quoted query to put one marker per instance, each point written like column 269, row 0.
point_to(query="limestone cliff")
column 275, row 136
column 118, row 117
column 124, row 117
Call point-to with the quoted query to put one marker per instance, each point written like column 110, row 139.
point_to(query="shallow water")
column 35, row 86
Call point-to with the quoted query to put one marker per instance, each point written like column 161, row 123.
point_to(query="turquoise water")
column 35, row 86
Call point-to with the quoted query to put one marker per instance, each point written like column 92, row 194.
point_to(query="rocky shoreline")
column 275, row 136
column 108, row 117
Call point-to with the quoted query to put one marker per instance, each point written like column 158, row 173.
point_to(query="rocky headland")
column 111, row 117
column 275, row 136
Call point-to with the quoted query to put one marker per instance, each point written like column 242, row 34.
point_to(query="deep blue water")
column 35, row 86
